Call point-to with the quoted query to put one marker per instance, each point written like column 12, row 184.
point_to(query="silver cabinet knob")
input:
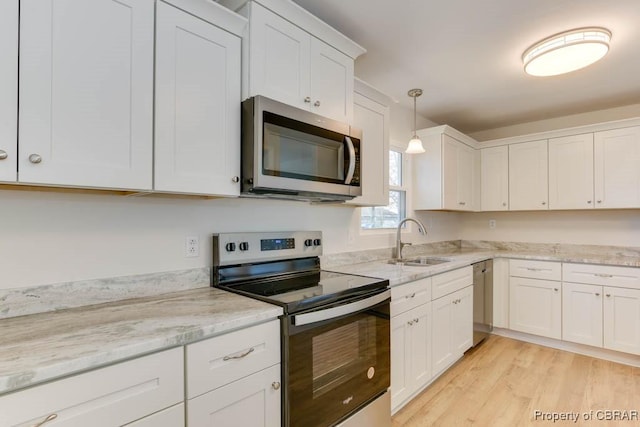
column 275, row 385
column 35, row 158
column 544, row 203
column 597, row 294
column 410, row 322
column 599, row 201
column 235, row 179
column 462, row 203
column 316, row 104
column 608, row 295
column 307, row 100
column 3, row 155
column 46, row 420
column 504, row 204
column 589, row 201
column 555, row 289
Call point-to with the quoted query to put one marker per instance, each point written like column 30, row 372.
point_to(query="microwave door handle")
column 352, row 160
column 341, row 310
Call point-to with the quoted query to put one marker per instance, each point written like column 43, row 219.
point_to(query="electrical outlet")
column 192, row 246
column 492, row 224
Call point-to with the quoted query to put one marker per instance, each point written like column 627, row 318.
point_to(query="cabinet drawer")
column 451, row 281
column 105, row 397
column 410, row 295
column 546, row 270
column 220, row 360
column 170, row 417
column 624, row 277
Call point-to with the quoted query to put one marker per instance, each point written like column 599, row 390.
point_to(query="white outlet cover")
column 192, row 246
column 492, row 223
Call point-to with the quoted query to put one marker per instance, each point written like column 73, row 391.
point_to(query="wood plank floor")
column 503, row 382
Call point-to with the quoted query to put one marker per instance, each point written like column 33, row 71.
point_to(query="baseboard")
column 586, row 350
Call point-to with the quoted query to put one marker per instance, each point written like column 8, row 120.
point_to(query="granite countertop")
column 461, row 257
column 41, row 347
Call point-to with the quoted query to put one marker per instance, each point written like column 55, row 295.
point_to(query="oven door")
column 336, row 360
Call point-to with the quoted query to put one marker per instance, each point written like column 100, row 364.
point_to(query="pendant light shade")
column 566, row 52
column 415, row 145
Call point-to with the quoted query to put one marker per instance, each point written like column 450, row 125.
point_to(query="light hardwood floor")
column 503, row 382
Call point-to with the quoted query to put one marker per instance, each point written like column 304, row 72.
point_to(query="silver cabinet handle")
column 608, row 295
column 544, row 203
column 607, row 276
column 35, row 158
column 462, row 203
column 275, row 385
column 235, row 179
column 555, row 289
column 589, row 201
column 240, row 356
column 599, row 201
column 410, row 322
column 46, row 420
column 533, row 269
column 597, row 294
column 316, row 104
column 307, row 99
column 410, row 296
column 3, row 155
column 416, row 320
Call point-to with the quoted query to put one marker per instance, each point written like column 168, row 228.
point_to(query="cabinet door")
column 420, row 332
column 373, row 119
column 582, row 313
column 622, row 319
column 462, row 332
column 458, row 164
column 528, row 178
column 494, row 192
column 400, row 359
column 197, row 139
column 251, row 401
column 86, row 93
column 279, row 58
column 571, row 172
column 8, row 90
column 442, row 354
column 617, row 175
column 331, row 82
column 535, row 307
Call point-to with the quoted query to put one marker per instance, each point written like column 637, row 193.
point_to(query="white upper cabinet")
column 617, row 175
column 372, row 117
column 571, row 172
column 197, row 123
column 292, row 59
column 86, row 93
column 494, row 190
column 447, row 175
column 528, row 178
column 8, row 90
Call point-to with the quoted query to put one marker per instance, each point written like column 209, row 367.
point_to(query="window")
column 389, row 216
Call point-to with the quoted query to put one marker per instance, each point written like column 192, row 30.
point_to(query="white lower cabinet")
column 234, row 379
column 582, row 313
column 535, row 306
column 106, row 397
column 410, row 352
column 622, row 319
column 452, row 332
column 251, row 401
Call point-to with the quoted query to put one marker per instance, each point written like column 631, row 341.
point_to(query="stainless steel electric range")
column 335, row 327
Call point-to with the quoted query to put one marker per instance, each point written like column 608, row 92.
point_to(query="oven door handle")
column 341, row 310
column 352, row 160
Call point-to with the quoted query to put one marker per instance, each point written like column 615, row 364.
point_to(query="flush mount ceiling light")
column 415, row 145
column 566, row 52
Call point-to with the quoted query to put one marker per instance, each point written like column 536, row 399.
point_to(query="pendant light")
column 567, row 51
column 415, row 145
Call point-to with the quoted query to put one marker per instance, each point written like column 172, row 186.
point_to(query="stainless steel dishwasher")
column 482, row 300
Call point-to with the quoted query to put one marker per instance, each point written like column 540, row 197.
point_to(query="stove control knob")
column 316, row 242
column 308, row 242
column 230, row 247
column 244, row 246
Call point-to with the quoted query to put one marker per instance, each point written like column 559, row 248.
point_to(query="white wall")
column 607, row 227
column 599, row 116
column 50, row 237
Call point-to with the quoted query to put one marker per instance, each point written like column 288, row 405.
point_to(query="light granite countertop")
column 41, row 347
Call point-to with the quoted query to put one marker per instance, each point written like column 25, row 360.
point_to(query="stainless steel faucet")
column 399, row 245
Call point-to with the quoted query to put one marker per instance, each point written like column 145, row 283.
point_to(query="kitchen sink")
column 420, row 261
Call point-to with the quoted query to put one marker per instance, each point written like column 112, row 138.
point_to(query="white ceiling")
column 466, row 55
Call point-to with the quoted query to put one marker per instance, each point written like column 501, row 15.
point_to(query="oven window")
column 342, row 353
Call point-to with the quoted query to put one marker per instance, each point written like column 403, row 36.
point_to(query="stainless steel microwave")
column 295, row 154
